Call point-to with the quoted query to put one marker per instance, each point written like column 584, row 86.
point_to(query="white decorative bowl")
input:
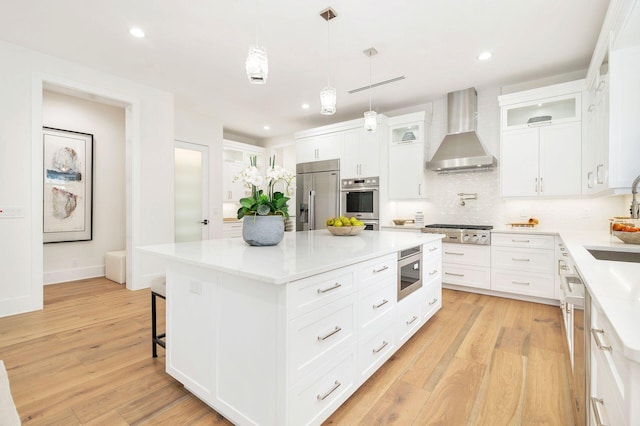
column 628, row 237
column 345, row 230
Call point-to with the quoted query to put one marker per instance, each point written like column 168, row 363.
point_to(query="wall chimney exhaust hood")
column 461, row 149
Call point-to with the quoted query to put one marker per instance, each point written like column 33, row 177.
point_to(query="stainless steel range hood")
column 461, row 149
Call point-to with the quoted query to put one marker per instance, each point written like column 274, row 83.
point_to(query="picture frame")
column 68, row 186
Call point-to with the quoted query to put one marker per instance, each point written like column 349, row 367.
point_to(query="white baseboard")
column 74, row 274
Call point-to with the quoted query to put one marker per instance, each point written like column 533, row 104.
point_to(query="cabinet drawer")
column 408, row 319
column 432, row 300
column 605, row 399
column 605, row 342
column 384, row 267
column 318, row 334
column 430, row 250
column 374, row 350
column 314, row 399
column 539, row 285
column 523, row 240
column 379, row 300
column 310, row 293
column 467, row 255
column 470, row 276
column 432, row 272
column 530, row 260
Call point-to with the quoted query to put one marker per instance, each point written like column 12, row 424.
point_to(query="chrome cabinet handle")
column 599, row 174
column 412, row 320
column 541, row 190
column 384, row 345
column 325, row 337
column 455, row 275
column 454, row 253
column 596, row 409
column 433, row 248
column 595, row 332
column 384, row 268
column 325, row 290
column 336, row 385
column 520, row 283
column 520, row 260
column 537, row 185
column 590, row 180
column 435, row 271
column 521, row 241
column 435, row 300
column 384, row 302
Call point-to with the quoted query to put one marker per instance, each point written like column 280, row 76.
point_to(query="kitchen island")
column 283, row 335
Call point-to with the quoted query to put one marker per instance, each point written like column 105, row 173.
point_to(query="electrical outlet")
column 586, row 213
column 523, row 213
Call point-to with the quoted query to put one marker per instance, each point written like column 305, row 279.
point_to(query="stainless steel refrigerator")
column 317, row 193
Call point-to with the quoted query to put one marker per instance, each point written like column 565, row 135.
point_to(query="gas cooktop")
column 461, row 234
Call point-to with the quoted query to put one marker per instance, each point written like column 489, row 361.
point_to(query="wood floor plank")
column 479, row 342
column 547, row 400
column 453, row 397
column 147, row 404
column 399, row 406
column 185, row 411
column 546, row 328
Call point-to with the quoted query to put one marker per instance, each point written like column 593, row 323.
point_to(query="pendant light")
column 328, row 94
column 257, row 63
column 370, row 117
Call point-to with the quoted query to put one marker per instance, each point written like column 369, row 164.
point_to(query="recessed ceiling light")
column 136, row 32
column 267, row 127
column 484, row 56
column 305, row 106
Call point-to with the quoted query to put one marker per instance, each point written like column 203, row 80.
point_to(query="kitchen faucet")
column 635, row 208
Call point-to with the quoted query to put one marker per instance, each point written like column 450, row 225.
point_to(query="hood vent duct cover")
column 461, row 149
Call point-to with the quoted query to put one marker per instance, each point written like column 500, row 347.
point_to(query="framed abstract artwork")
column 68, row 186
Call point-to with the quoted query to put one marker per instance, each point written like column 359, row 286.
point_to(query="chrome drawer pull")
column 596, row 410
column 336, row 285
column 433, row 301
column 435, row 271
column 520, row 241
column 452, row 252
column 455, row 275
column 596, row 336
column 433, row 248
column 384, row 302
column 336, row 385
column 520, row 283
column 412, row 320
column 330, row 334
column 384, row 268
column 384, row 345
column 520, row 260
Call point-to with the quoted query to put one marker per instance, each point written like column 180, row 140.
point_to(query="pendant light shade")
column 257, row 65
column 328, row 95
column 370, row 121
column 328, row 101
column 370, row 117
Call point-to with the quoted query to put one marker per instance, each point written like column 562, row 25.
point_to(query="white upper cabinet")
column 541, row 147
column 236, row 157
column 408, row 146
column 361, row 155
column 321, row 147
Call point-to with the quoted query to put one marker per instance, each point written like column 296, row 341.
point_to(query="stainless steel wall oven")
column 360, row 198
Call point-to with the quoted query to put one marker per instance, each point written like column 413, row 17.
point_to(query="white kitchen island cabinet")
column 283, row 335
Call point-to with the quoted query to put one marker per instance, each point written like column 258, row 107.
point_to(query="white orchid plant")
column 270, row 202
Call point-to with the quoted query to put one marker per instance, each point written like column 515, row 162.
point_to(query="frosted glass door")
column 191, row 192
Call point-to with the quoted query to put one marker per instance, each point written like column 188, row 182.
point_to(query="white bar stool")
column 158, row 289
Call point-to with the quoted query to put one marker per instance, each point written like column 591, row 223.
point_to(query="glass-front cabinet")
column 554, row 110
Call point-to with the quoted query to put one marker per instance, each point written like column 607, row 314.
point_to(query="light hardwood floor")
column 86, row 359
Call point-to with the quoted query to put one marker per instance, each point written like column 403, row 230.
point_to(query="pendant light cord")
column 328, row 53
column 370, row 88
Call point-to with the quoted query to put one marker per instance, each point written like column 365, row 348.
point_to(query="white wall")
column 149, row 148
column 85, row 259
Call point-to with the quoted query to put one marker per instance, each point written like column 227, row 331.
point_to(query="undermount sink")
column 618, row 256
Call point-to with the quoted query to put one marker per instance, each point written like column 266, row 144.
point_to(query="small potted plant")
column 266, row 209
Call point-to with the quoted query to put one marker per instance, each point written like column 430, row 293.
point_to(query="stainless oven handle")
column 363, row 189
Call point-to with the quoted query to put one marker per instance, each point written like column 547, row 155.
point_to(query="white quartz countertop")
column 614, row 286
column 299, row 254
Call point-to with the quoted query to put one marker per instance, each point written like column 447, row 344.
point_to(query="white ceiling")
column 197, row 48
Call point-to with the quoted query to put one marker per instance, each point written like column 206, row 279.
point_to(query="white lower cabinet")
column 466, row 265
column 232, row 229
column 523, row 264
column 376, row 348
column 408, row 318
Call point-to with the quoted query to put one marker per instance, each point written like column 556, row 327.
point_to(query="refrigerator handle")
column 312, row 210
